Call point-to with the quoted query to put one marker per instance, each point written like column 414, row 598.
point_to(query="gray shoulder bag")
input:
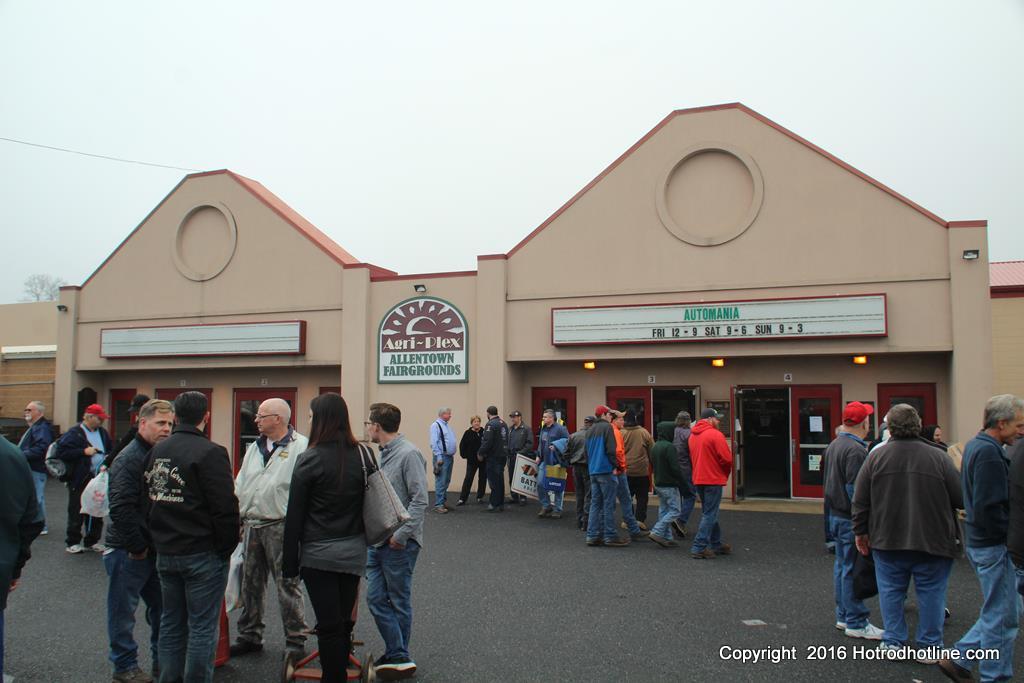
column 383, row 512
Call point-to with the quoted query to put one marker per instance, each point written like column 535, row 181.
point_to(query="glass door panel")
column 816, row 413
column 247, row 403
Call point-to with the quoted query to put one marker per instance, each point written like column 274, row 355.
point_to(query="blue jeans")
column 129, row 580
column 709, row 533
column 893, row 569
column 849, row 610
column 389, row 594
column 545, row 496
column 442, row 480
column 39, row 479
column 601, row 522
column 626, row 502
column 668, row 510
column 996, row 626
column 192, row 589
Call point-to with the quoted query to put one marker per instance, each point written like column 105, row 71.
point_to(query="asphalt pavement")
column 509, row 597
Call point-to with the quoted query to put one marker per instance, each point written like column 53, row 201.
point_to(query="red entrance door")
column 637, row 399
column 120, row 419
column 921, row 396
column 247, row 403
column 171, row 394
column 816, row 411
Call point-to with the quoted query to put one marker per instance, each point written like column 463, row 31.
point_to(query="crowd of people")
column 294, row 513
column 899, row 505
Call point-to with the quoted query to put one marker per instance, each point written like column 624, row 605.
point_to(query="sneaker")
column 491, row 508
column 244, row 647
column 479, row 501
column 74, row 549
column 840, row 625
column 640, row 535
column 868, row 632
column 135, row 675
column 660, row 540
column 440, row 509
column 44, row 532
column 556, row 515
column 673, row 544
column 679, row 528
column 724, row 549
column 953, row 671
column 886, row 646
column 545, row 512
column 642, row 525
column 394, row 668
column 706, row 554
column 594, row 542
column 461, row 503
column 617, row 542
column 97, row 548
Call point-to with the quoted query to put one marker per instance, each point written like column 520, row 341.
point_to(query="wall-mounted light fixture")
column 420, row 288
column 971, row 254
column 860, row 360
column 589, row 365
column 62, row 308
column 718, row 362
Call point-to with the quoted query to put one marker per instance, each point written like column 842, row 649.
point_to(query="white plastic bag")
column 94, row 497
column 233, row 592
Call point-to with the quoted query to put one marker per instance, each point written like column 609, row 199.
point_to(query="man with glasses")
column 33, row 445
column 262, row 489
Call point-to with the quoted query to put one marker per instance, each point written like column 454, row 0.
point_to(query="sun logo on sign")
column 422, row 318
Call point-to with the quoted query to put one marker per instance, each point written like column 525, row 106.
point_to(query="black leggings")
column 474, row 470
column 333, row 596
column 639, row 488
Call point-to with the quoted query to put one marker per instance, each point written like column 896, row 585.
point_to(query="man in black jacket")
column 492, row 450
column 194, row 524
column 82, row 448
column 131, row 560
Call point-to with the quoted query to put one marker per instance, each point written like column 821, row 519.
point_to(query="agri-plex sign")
column 422, row 340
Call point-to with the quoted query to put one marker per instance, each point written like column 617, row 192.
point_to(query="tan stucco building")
column 718, row 235
column 1007, row 281
column 28, row 354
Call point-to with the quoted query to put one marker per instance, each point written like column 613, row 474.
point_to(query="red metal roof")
column 1006, row 274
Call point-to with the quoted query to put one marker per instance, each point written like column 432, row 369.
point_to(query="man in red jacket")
column 712, row 464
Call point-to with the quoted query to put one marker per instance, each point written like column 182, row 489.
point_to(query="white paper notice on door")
column 815, row 425
column 814, row 463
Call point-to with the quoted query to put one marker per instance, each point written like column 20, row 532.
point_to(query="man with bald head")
column 262, row 489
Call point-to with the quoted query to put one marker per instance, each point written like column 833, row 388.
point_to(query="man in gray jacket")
column 576, row 452
column 390, row 565
column 520, row 441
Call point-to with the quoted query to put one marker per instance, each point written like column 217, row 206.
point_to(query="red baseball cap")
column 97, row 410
column 601, row 410
column 856, row 412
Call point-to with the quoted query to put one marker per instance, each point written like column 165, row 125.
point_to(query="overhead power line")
column 96, row 156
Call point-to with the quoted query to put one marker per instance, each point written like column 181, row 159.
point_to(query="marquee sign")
column 422, row 340
column 767, row 319
column 286, row 338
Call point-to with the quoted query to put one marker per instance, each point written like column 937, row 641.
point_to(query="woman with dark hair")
column 469, row 449
column 324, row 541
column 934, row 434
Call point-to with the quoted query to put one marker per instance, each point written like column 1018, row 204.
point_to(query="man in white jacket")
column 262, row 489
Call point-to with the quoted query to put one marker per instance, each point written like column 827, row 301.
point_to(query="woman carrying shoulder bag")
column 324, row 541
column 469, row 449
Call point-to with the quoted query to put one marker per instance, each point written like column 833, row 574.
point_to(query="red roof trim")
column 1007, row 292
column 785, row 131
column 423, row 276
column 492, row 257
column 967, row 224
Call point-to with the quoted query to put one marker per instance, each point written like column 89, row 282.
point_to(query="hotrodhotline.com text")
column 775, row 655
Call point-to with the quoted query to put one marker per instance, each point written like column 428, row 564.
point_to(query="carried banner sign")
column 524, row 477
column 763, row 320
column 422, row 340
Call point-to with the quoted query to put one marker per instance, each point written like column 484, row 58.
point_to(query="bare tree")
column 40, row 287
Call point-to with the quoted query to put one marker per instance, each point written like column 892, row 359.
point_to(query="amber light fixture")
column 718, row 362
column 860, row 360
column 589, row 365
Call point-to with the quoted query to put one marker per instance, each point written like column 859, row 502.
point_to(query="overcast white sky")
column 484, row 119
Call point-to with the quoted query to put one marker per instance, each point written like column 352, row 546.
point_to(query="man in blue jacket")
column 986, row 484
column 20, row 523
column 33, row 445
column 83, row 447
column 551, row 445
